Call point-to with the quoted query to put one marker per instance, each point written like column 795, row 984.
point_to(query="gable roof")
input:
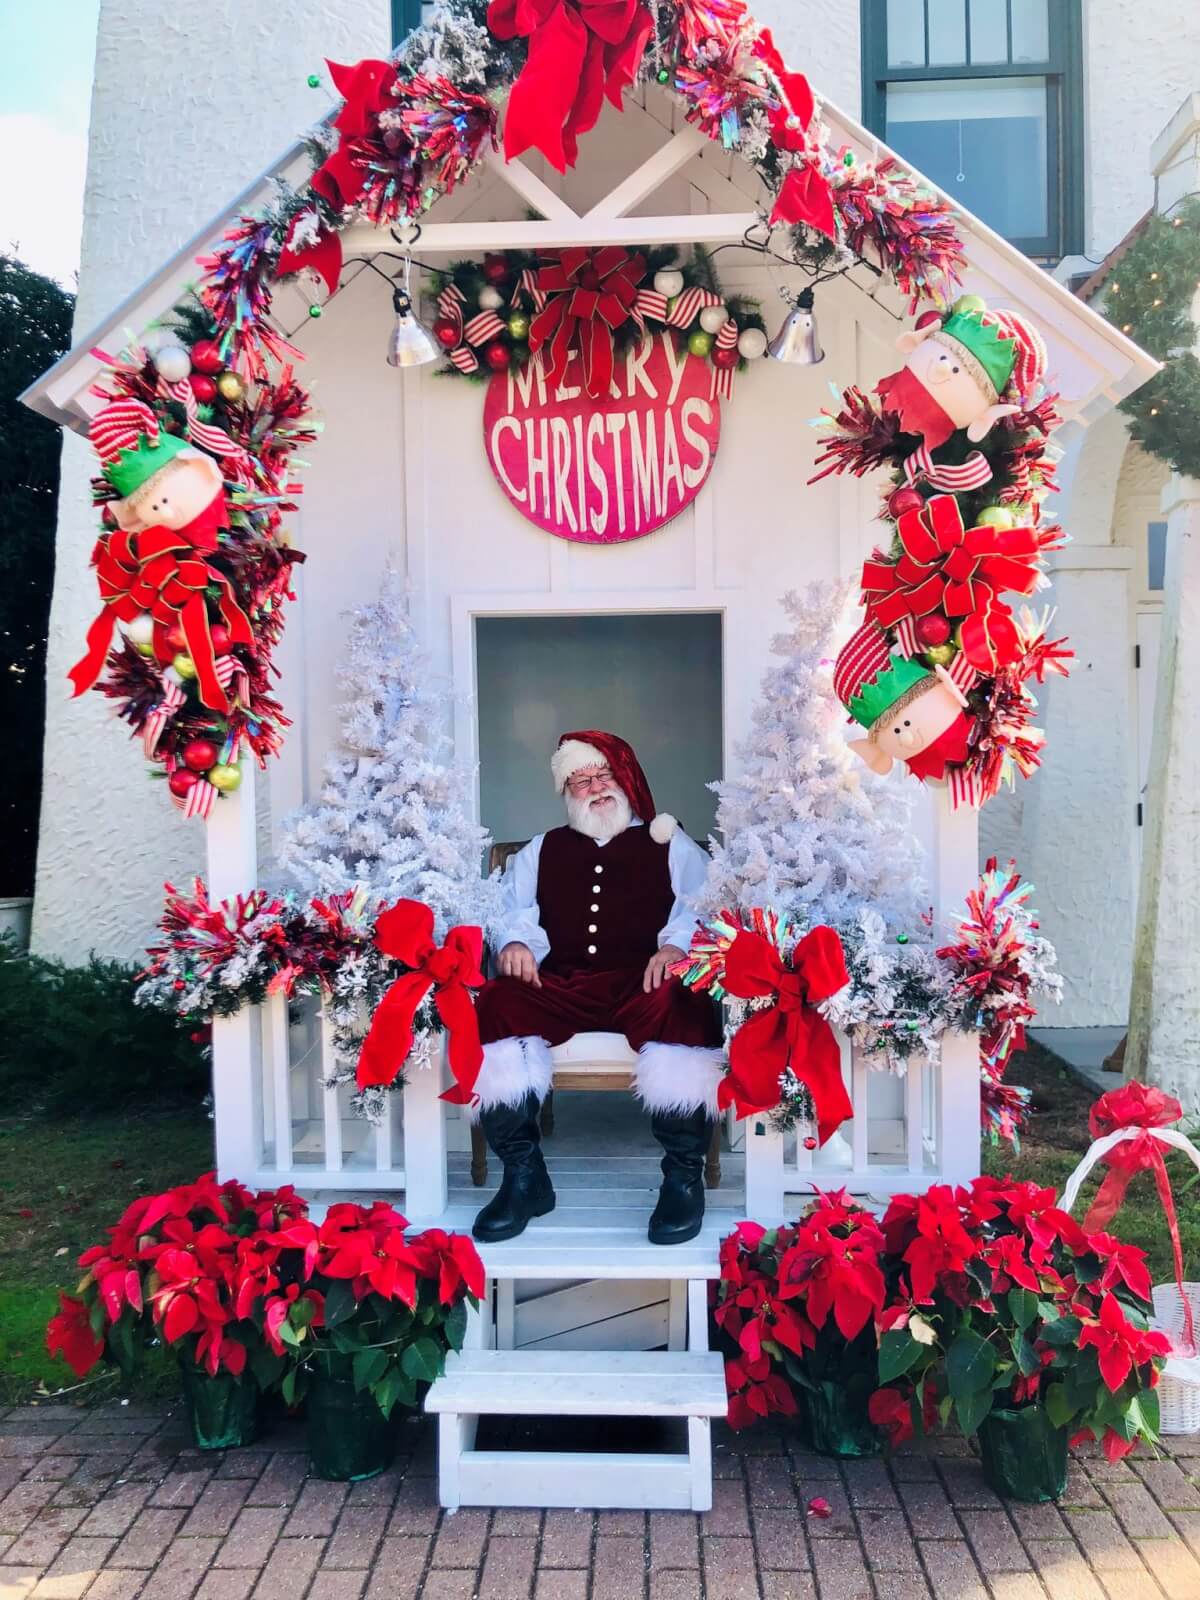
column 1091, row 362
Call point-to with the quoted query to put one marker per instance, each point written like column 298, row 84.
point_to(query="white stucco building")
column 1068, row 98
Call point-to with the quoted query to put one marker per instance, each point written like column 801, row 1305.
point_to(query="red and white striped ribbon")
column 965, row 788
column 906, row 637
column 722, row 377
column 962, row 674
column 972, row 474
column 487, row 325
column 686, row 308
column 235, row 462
column 197, row 801
column 527, row 285
column 156, row 722
column 229, row 670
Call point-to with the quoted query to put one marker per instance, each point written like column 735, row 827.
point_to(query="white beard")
column 604, row 823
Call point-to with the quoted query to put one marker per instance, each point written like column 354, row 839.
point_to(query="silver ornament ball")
column 752, row 343
column 669, row 282
column 713, row 318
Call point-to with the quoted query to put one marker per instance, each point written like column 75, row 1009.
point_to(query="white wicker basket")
column 1179, row 1382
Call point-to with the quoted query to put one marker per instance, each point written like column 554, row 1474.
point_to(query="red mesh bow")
column 945, row 567
column 793, row 1033
column 593, row 292
column 405, row 932
column 579, row 51
column 159, row 570
column 1134, row 1105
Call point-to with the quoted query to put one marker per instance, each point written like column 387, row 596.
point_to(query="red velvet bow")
column 1134, row 1105
column 366, row 89
column 805, row 195
column 793, row 1033
column 962, row 573
column 145, row 571
column 405, row 932
column 579, row 51
column 592, row 293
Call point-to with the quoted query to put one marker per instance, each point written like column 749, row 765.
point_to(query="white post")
column 764, row 1172
column 232, row 846
column 425, row 1191
column 955, row 871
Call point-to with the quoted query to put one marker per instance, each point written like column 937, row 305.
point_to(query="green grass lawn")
column 62, row 1183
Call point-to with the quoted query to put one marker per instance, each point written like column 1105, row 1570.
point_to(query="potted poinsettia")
column 1007, row 1318
column 363, row 1314
column 184, row 1267
column 799, row 1303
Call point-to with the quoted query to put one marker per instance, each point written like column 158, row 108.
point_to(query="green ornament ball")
column 518, row 325
column 941, row 655
column 184, row 665
column 663, row 75
column 314, row 310
column 995, row 517
column 848, row 159
column 314, row 80
column 700, row 343
column 225, row 778
column 901, row 938
column 967, row 304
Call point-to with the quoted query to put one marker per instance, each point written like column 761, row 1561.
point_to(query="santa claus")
column 594, row 914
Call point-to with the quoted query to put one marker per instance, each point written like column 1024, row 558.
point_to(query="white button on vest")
column 592, row 928
column 599, row 869
column 595, row 888
column 591, row 949
column 595, row 907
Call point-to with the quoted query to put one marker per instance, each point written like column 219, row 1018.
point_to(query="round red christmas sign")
column 608, row 470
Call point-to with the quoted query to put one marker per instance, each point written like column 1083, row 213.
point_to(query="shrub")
column 71, row 1039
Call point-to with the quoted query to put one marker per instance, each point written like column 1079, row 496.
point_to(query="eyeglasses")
column 582, row 785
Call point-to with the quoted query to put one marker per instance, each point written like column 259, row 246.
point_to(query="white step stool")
column 577, row 1383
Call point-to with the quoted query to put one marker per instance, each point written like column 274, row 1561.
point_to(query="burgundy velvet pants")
column 596, row 1002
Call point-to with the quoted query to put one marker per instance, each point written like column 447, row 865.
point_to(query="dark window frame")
column 406, row 15
column 1063, row 72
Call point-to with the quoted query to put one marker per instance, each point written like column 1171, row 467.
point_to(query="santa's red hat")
column 589, row 747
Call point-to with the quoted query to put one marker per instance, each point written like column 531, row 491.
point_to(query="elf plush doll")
column 911, row 713
column 965, row 372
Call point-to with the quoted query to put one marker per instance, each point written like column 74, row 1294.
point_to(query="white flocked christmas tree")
column 392, row 815
column 807, row 829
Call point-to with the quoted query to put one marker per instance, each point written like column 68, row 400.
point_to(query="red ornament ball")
column 931, row 630
column 496, row 356
column 200, row 754
column 810, row 1143
column 203, row 388
column 495, row 268
column 221, row 642
column 181, row 780
column 445, row 332
column 207, row 357
column 175, row 639
column 901, row 501
column 927, row 319
column 725, row 356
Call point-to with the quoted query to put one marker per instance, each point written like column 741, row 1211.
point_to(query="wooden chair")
column 596, row 1061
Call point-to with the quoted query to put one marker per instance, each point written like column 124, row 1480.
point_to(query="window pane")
column 989, row 32
column 1156, row 554
column 947, row 33
column 983, row 141
column 906, row 33
column 1030, row 30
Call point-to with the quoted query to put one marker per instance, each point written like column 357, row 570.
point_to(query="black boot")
column 525, row 1190
column 680, row 1209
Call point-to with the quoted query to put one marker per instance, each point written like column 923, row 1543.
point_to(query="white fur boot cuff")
column 511, row 1068
column 678, row 1078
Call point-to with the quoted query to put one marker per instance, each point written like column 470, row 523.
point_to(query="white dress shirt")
column 519, row 915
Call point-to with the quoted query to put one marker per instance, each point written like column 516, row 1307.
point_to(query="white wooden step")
column 581, row 1383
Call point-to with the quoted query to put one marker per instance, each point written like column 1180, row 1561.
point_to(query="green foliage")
column 35, row 329
column 72, row 1040
column 1149, row 297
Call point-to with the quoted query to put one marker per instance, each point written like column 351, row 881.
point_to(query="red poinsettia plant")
column 182, row 1266
column 999, row 1300
column 797, row 1305
column 357, row 1296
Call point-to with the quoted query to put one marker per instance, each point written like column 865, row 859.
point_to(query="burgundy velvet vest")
column 602, row 906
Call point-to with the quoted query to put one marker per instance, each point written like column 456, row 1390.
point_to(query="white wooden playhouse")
column 400, row 476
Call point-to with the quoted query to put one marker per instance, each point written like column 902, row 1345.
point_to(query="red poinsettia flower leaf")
column 70, row 1335
column 180, row 1317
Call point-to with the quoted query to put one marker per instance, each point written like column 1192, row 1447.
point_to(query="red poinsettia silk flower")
column 1119, row 1346
column 579, row 51
column 70, row 1335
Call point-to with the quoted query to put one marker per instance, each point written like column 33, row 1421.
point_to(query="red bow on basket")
column 593, row 292
column 945, row 567
column 579, row 51
column 1129, row 1117
column 147, row 571
column 793, row 1033
column 405, row 932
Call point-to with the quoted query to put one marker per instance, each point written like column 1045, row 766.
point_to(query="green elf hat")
column 131, row 446
column 999, row 349
column 871, row 682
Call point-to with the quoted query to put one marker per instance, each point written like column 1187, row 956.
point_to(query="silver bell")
column 798, row 341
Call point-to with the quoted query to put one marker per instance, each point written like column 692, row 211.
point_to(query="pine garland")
column 1150, row 299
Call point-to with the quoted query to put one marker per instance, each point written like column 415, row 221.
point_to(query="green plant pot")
column 349, row 1438
column 1024, row 1456
column 223, row 1410
column 834, row 1420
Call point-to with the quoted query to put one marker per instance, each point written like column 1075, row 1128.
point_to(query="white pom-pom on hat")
column 663, row 827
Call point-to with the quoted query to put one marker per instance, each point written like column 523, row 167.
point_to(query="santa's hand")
column 517, row 961
column 656, row 967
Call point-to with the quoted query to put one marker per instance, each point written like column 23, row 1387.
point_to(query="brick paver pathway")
column 113, row 1504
